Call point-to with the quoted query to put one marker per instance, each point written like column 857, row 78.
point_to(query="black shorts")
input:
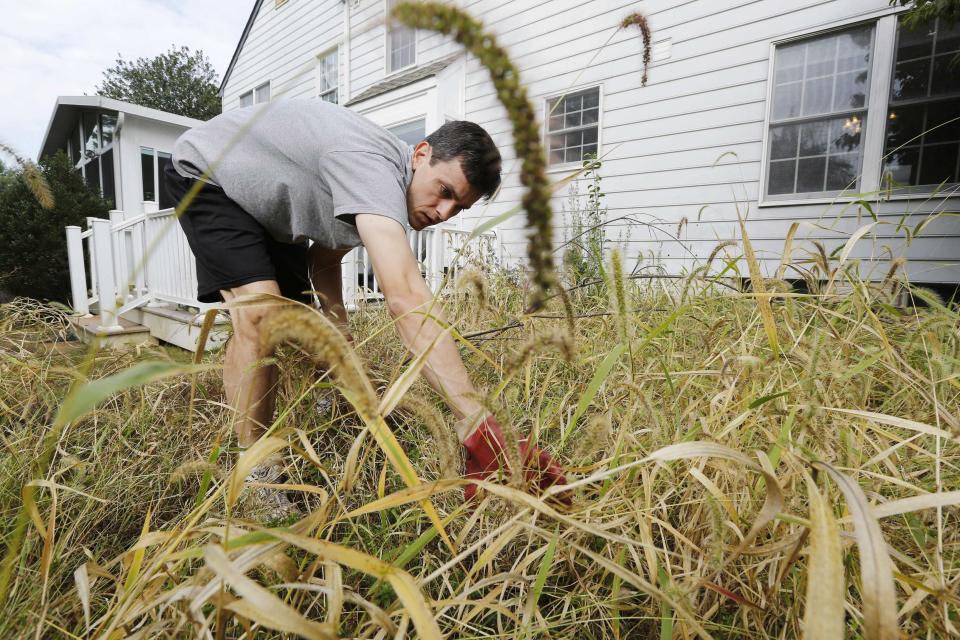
column 232, row 248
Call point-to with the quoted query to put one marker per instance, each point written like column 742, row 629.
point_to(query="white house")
column 120, row 148
column 808, row 111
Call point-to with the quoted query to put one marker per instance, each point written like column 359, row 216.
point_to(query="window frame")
column 883, row 56
column 85, row 160
column 319, row 73
column 387, row 71
column 155, row 154
column 545, row 132
column 253, row 95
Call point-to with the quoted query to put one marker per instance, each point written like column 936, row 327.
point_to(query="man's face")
column 437, row 192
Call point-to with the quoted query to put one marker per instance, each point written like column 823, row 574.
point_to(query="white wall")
column 661, row 141
column 140, row 132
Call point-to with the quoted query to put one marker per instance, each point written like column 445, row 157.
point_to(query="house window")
column 328, row 77
column 412, row 133
column 401, row 44
column 262, row 93
column 922, row 145
column 94, row 155
column 818, row 113
column 573, row 126
column 152, row 165
column 246, row 99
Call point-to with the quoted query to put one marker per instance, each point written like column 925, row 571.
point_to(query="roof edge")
column 243, row 40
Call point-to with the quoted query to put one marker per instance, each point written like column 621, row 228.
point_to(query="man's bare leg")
column 326, row 277
column 250, row 388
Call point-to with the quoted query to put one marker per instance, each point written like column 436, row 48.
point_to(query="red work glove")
column 486, row 452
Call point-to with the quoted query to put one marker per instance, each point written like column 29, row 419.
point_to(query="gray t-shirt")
column 302, row 168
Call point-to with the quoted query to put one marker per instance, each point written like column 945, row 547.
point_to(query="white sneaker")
column 267, row 503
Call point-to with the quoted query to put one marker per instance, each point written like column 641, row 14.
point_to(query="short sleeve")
column 364, row 182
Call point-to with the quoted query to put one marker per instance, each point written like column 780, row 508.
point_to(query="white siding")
column 687, row 147
column 662, row 141
column 282, row 48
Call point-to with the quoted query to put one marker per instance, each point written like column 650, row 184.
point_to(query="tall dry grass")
column 719, row 490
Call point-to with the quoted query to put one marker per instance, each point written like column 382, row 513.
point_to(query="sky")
column 61, row 47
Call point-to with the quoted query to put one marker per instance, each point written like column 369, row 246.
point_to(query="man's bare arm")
column 409, row 302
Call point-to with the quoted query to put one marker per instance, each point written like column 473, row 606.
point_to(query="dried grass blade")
column 876, row 568
column 137, row 561
column 410, row 595
column 259, row 451
column 894, row 421
column 757, row 282
column 82, row 579
column 260, row 605
column 823, row 617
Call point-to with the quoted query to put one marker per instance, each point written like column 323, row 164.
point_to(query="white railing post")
column 78, row 271
column 118, row 247
column 94, row 287
column 102, row 241
column 348, row 276
column 137, row 255
column 435, row 257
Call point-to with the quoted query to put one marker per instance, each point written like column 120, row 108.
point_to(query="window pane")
column 783, row 141
column 781, row 177
column 850, row 91
column 246, row 99
column 810, row 174
column 789, row 64
column 914, row 44
column 556, row 151
column 556, row 122
column 946, row 74
column 574, row 154
column 572, row 119
column 813, row 138
column 943, row 122
column 91, row 172
column 91, row 132
column 166, row 200
column 330, row 96
column 817, row 96
column 853, row 50
column 786, row 100
column 329, row 71
column 590, row 136
column 76, row 141
column 904, row 126
column 146, row 175
column 842, row 172
column 591, row 99
column 948, row 38
column 910, row 79
column 412, row 132
column 939, row 164
column 107, row 126
column 590, row 116
column 901, row 166
column 573, row 139
column 821, row 57
column 106, row 168
column 845, row 134
column 262, row 94
column 590, row 149
column 574, row 103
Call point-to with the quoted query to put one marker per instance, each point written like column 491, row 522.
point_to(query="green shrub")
column 34, row 256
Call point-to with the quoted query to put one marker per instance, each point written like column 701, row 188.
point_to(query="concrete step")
column 131, row 333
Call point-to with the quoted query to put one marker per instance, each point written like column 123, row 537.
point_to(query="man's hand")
column 486, row 452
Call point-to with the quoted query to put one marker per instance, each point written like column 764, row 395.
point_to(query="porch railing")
column 120, row 263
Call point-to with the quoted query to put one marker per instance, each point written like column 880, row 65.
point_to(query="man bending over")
column 279, row 175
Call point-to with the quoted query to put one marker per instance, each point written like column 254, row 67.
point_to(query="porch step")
column 178, row 327
column 131, row 333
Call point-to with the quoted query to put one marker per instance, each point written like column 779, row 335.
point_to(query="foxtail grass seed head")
column 640, row 21
column 505, row 76
column 472, row 281
column 444, row 443
column 326, row 345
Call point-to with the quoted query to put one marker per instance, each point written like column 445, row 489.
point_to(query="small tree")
column 178, row 81
column 33, row 259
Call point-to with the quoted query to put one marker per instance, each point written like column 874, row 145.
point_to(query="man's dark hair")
column 478, row 155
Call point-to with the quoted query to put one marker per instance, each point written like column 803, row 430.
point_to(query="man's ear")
column 421, row 154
